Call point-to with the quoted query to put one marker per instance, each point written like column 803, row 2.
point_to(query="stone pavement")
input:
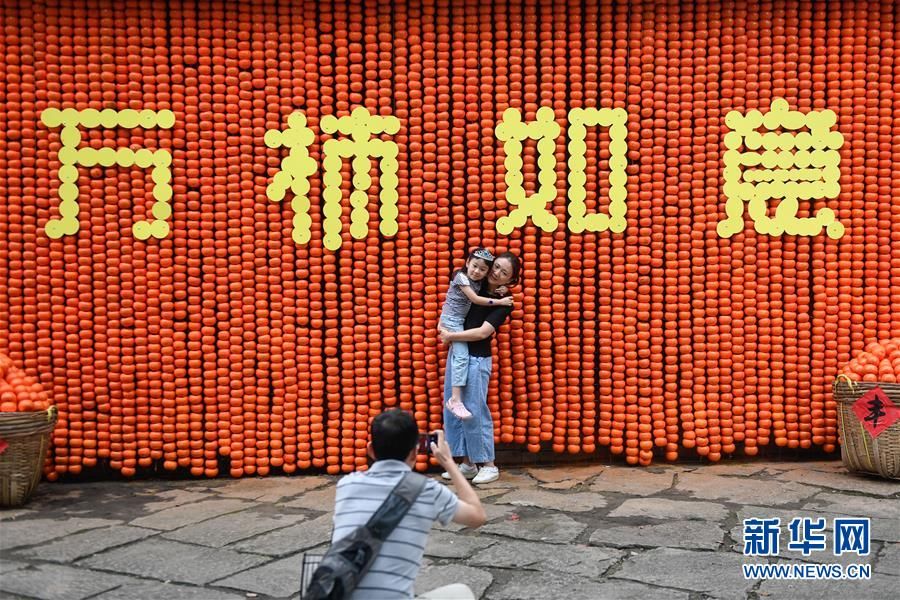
column 572, row 532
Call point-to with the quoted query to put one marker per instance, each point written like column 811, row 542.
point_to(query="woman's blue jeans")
column 473, row 438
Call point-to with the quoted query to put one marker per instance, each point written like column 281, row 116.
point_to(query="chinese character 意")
column 806, row 535
column 761, row 537
column 788, row 167
column 852, row 535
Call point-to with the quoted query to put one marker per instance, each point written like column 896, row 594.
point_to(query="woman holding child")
column 472, row 437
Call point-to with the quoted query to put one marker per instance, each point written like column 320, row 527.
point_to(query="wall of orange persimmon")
column 227, row 339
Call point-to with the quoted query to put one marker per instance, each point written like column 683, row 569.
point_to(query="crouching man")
column 393, row 446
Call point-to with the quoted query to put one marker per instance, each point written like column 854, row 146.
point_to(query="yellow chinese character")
column 360, row 126
column 788, row 167
column 579, row 120
column 70, row 156
column 296, row 168
column 512, row 132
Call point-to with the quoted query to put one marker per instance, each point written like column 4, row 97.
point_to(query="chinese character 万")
column 807, row 535
column 761, row 537
column 787, row 167
column 852, row 535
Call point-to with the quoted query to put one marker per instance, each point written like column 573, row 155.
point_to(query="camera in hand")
column 425, row 441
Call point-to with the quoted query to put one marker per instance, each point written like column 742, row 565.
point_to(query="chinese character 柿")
column 788, row 167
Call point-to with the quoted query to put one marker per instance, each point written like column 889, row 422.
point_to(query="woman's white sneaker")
column 468, row 471
column 487, row 475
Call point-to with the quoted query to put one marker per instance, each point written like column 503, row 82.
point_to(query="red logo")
column 875, row 411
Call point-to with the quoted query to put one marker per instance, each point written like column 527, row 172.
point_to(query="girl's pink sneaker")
column 459, row 410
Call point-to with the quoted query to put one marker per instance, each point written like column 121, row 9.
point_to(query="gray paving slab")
column 187, row 514
column 272, row 489
column 11, row 565
column 844, row 480
column 160, row 590
column 586, row 561
column 879, row 586
column 662, row 508
column 233, row 527
column 853, row 504
column 739, row 490
column 889, row 559
column 278, row 578
column 432, row 577
column 542, row 586
column 713, row 573
column 80, row 545
column 549, row 500
column 320, row 499
column 289, row 540
column 635, row 482
column 557, row 474
column 166, row 560
column 58, row 582
column 536, row 527
column 444, row 544
column 175, row 497
column 700, row 535
column 29, row 532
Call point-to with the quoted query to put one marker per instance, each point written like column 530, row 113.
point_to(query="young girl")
column 463, row 292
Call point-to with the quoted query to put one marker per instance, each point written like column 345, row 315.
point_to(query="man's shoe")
column 487, row 475
column 468, row 471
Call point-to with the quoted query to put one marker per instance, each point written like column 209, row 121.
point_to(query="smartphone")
column 425, row 441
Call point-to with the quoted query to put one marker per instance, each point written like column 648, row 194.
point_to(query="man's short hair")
column 394, row 435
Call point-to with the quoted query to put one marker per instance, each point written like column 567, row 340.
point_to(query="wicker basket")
column 28, row 436
column 861, row 452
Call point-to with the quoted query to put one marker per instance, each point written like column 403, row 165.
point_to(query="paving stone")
column 38, row 531
column 551, row 474
column 173, row 498
column 434, row 576
column 493, row 512
column 443, row 544
column 57, row 582
column 714, row 573
column 879, row 586
column 78, row 545
column 10, row 565
column 289, row 540
column 227, row 529
column 15, row 513
column 160, row 590
column 733, row 468
column 863, row 506
column 272, row 489
column 844, row 480
column 173, row 561
column 577, row 502
column 889, row 559
column 701, row 535
column 279, row 578
column 661, row 508
column 541, row 586
column 509, row 479
column 578, row 559
column 635, row 482
column 550, row 528
column 743, row 490
column 565, row 484
column 321, row 499
column 187, row 514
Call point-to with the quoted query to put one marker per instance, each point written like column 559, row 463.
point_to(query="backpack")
column 349, row 558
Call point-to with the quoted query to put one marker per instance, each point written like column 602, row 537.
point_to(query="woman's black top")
column 478, row 316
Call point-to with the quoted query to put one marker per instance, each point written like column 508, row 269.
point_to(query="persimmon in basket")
column 879, row 362
column 18, row 391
